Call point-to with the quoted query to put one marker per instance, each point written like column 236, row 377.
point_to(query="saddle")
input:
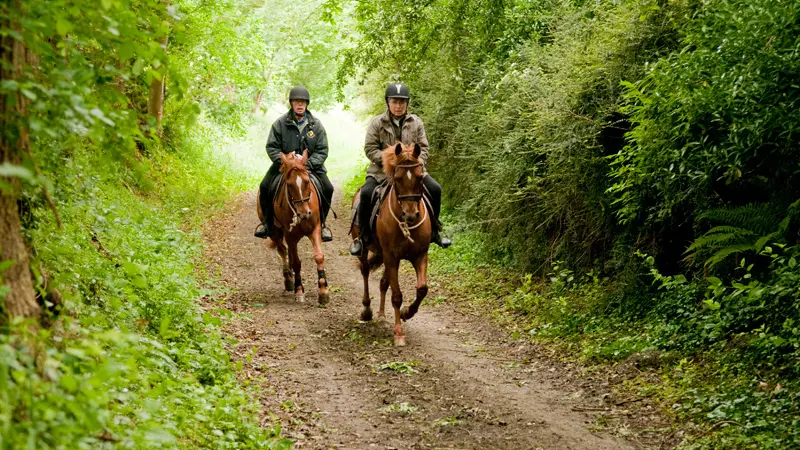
column 276, row 183
column 378, row 196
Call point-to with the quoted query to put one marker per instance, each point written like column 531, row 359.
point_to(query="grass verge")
column 715, row 396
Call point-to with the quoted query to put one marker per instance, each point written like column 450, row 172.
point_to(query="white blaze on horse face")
column 408, row 174
column 300, row 184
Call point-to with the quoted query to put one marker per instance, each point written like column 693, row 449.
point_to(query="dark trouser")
column 327, row 194
column 267, row 193
column 365, row 204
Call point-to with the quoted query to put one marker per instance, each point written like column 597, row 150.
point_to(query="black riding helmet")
column 397, row 90
column 299, row 93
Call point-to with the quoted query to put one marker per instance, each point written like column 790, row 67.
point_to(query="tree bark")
column 14, row 142
column 155, row 106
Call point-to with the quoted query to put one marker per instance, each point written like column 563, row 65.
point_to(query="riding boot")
column 327, row 236
column 436, row 234
column 438, row 239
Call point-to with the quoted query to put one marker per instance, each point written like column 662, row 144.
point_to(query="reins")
column 404, row 226
column 295, row 216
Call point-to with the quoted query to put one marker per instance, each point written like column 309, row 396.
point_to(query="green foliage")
column 715, row 124
column 521, row 104
column 129, row 360
column 398, row 367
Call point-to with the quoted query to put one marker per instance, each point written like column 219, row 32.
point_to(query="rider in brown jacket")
column 395, row 125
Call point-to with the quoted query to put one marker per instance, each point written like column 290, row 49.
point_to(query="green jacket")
column 381, row 133
column 286, row 137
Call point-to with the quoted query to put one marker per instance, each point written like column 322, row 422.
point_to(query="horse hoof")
column 366, row 315
column 288, row 285
column 301, row 298
column 399, row 341
column 405, row 314
column 381, row 318
column 323, row 299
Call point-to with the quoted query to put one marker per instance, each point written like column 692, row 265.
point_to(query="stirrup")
column 262, row 231
column 357, row 247
column 327, row 236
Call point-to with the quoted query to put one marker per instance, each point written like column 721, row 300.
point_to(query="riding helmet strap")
column 321, row 276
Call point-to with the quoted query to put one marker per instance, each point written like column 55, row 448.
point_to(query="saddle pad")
column 276, row 184
column 378, row 196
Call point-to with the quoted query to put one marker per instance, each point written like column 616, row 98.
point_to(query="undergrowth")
column 733, row 379
column 130, row 360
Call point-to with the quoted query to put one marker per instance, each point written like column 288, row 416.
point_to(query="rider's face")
column 397, row 106
column 299, row 107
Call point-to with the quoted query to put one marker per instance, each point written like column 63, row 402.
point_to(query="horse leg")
column 421, row 268
column 294, row 260
column 384, row 288
column 397, row 301
column 363, row 263
column 319, row 258
column 280, row 246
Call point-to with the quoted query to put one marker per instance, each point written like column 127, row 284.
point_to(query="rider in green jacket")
column 294, row 132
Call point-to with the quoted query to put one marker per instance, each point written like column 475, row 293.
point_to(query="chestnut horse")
column 402, row 231
column 296, row 216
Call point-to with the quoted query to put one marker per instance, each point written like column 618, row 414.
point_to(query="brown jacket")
column 381, row 134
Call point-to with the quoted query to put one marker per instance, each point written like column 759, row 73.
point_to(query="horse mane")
column 291, row 163
column 391, row 160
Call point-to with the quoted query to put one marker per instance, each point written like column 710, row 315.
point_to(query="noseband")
column 408, row 197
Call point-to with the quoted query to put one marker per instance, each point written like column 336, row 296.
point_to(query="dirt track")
column 336, row 383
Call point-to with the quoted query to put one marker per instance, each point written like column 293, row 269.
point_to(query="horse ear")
column 417, row 150
column 305, row 157
column 283, row 158
column 398, row 149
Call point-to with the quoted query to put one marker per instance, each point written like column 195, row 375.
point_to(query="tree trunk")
column 21, row 300
column 155, row 107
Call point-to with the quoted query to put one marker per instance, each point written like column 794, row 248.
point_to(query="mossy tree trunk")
column 14, row 142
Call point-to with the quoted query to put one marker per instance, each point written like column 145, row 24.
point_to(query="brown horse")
column 402, row 231
column 297, row 216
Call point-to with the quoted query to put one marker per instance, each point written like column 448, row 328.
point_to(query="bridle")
column 408, row 197
column 295, row 215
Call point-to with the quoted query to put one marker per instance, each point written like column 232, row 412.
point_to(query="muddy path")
column 333, row 382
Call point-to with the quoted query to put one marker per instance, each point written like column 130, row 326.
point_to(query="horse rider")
column 395, row 125
column 294, row 132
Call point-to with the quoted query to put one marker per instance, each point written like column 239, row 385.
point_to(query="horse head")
column 404, row 170
column 297, row 183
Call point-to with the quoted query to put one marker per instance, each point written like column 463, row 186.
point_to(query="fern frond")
column 714, row 240
column 727, row 229
column 760, row 218
column 764, row 240
column 728, row 251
